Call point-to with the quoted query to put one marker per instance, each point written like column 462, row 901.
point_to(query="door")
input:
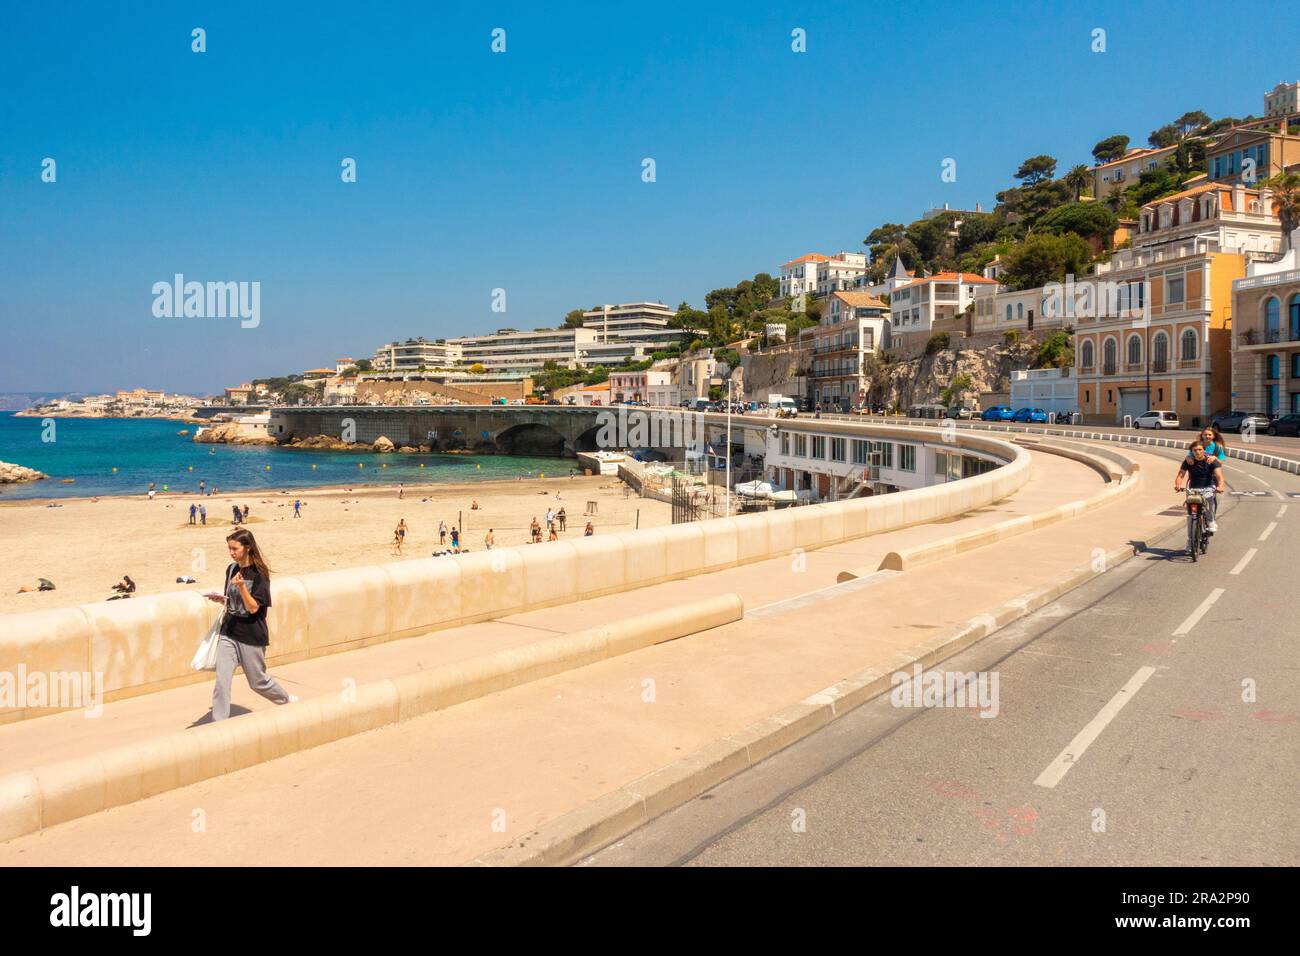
column 1132, row 401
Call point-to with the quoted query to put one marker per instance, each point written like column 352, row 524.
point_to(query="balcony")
column 1159, row 366
column 1108, row 368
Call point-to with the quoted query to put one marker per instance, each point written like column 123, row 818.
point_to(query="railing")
column 1260, row 282
column 1160, row 365
column 1108, row 368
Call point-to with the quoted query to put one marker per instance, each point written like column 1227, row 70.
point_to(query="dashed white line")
column 1281, row 511
column 1068, row 757
column 1263, row 535
column 1187, row 625
column 1257, row 478
column 1241, row 565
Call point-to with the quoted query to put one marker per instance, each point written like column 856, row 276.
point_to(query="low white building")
column 1051, row 389
column 915, row 307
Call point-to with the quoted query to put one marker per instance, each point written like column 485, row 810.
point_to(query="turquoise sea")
column 144, row 450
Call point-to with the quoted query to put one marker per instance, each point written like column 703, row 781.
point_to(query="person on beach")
column 489, row 540
column 125, row 586
column 297, row 508
column 194, row 514
column 535, row 530
column 244, row 633
column 562, row 518
column 442, row 532
column 550, row 520
column 455, row 539
column 200, row 486
column 399, row 535
column 589, row 531
column 246, row 514
column 203, row 513
column 235, row 515
column 553, row 536
column 401, row 490
column 473, row 505
column 152, row 490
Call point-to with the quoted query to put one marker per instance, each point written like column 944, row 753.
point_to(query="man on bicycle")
column 1202, row 473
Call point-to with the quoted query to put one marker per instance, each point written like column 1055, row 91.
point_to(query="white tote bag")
column 205, row 658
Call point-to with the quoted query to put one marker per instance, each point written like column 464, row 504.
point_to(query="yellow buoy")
column 313, row 467
column 542, row 475
column 478, row 467
column 384, row 465
column 115, row 471
column 191, row 468
column 421, row 464
column 361, row 464
column 268, row 467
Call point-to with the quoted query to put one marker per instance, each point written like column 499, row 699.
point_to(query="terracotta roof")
column 603, row 387
column 967, row 278
column 857, row 299
column 1198, row 190
column 811, row 257
column 1135, row 154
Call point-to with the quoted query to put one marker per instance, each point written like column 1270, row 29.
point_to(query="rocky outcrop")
column 920, row 381
column 12, row 474
column 383, row 445
column 325, row 443
column 230, row 433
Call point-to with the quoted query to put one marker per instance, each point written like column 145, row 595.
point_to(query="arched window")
column 1187, row 350
column 1008, row 311
column 1272, row 319
column 1293, row 317
column 1086, row 355
column 1108, row 351
column 1135, row 350
column 1160, row 352
column 1020, row 310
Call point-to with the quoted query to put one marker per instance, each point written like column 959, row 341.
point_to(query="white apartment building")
column 631, row 331
column 840, row 272
column 513, row 350
column 944, row 295
column 1234, row 217
column 1282, row 100
column 412, row 354
column 799, row 276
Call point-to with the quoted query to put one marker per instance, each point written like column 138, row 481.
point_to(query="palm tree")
column 1079, row 178
column 1286, row 203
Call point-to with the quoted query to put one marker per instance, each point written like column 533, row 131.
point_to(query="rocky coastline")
column 11, row 474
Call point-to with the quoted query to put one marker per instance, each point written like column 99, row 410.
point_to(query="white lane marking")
column 1068, row 757
column 1257, row 478
column 1187, row 625
column 1241, row 565
column 1281, row 511
column 1263, row 535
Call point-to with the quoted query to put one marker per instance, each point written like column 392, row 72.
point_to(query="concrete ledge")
column 47, row 795
column 573, row 836
column 909, row 558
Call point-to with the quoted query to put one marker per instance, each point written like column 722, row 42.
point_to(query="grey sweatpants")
column 231, row 653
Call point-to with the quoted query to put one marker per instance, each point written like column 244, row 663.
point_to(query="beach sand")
column 85, row 547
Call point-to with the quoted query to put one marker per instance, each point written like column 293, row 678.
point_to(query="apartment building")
column 1040, row 310
column 1156, row 332
column 1282, row 100
column 896, row 278
column 630, row 331
column 840, row 271
column 650, row 385
column 945, row 295
column 853, row 325
column 1266, row 335
column 1111, row 177
column 238, row 395
column 513, row 350
column 413, row 354
column 1249, row 156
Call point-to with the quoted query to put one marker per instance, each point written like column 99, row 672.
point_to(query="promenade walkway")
column 453, row 785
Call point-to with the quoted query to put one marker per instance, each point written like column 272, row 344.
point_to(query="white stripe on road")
column 1187, row 625
column 1241, row 565
column 1263, row 535
column 1257, row 478
column 1281, row 511
column 1068, row 757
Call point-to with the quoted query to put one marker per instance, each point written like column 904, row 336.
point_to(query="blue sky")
column 519, row 170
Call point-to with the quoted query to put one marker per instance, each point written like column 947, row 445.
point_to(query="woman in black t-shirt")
column 244, row 634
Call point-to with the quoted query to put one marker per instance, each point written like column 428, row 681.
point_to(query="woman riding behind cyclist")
column 1214, row 443
column 1202, row 472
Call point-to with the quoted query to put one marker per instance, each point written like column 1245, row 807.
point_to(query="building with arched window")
column 1266, row 335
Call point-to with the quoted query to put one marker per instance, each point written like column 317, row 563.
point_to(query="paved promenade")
column 447, row 787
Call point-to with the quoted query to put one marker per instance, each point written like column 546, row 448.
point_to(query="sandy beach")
column 84, row 547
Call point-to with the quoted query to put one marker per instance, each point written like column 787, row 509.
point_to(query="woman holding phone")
column 244, row 634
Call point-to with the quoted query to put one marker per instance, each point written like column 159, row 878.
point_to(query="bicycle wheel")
column 1195, row 536
column 1205, row 538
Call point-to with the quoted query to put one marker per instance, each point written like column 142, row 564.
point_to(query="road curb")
column 581, row 832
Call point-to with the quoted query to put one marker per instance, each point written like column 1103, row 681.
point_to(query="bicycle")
column 1198, row 511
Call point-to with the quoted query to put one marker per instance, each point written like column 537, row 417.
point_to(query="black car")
column 1286, row 425
column 1240, row 421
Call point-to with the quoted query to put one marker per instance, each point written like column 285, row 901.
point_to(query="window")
column 1272, row 320
column 839, row 449
column 1160, row 395
column 1160, row 352
column 1274, row 367
column 819, row 446
column 1293, row 314
column 785, row 443
column 1108, row 353
column 801, row 446
column 1135, row 350
column 886, row 450
column 1087, row 396
column 1274, row 398
column 1295, row 364
column 1008, row 311
column 907, row 458
column 1187, row 350
column 862, row 451
column 1020, row 311
column 1173, row 290
column 1086, row 355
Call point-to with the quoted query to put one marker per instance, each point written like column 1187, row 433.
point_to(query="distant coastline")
column 97, row 413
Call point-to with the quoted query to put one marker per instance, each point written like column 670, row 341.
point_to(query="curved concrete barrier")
column 1122, row 475
column 144, row 645
column 43, row 796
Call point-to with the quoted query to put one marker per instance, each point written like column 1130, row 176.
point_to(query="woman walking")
column 244, row 634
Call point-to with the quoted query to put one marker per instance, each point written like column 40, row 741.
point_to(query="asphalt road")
column 1150, row 717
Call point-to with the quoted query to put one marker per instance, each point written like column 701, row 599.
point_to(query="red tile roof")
column 811, row 257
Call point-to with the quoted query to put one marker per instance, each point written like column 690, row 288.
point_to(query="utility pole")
column 727, row 489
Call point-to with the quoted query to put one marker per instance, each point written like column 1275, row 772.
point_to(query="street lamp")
column 725, row 368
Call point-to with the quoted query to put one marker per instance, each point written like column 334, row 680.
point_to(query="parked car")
column 552, row 401
column 1157, row 419
column 1240, row 421
column 962, row 412
column 1286, row 425
column 1030, row 415
column 998, row 413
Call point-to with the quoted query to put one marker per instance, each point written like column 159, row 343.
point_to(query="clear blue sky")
column 519, row 170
